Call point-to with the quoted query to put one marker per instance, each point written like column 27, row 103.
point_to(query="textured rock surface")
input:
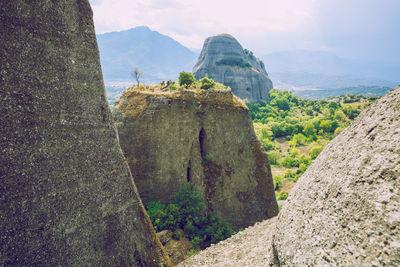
column 345, row 209
column 251, row 247
column 177, row 249
column 205, row 137
column 251, row 83
column 66, row 197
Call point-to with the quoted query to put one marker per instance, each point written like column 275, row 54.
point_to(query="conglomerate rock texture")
column 205, row 137
column 345, row 209
column 224, row 60
column 67, row 197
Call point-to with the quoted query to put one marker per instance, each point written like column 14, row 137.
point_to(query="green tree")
column 186, row 79
column 309, row 129
column 207, row 83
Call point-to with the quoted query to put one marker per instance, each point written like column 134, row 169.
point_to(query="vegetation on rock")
column 188, row 212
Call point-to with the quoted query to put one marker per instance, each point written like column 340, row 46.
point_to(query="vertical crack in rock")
column 227, row 161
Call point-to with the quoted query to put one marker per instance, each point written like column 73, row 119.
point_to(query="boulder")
column 67, row 196
column 224, row 60
column 345, row 209
column 204, row 137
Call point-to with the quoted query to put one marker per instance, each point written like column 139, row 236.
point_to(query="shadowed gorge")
column 67, row 195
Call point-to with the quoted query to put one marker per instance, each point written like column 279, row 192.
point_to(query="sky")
column 357, row 29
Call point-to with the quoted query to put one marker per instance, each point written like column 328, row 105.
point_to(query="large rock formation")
column 345, row 209
column 223, row 59
column 67, row 196
column 205, row 137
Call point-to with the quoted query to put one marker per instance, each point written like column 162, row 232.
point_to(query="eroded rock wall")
column 223, row 59
column 67, row 196
column 345, row 209
column 204, row 137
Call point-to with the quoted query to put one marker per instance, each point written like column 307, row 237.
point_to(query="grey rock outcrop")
column 67, row 197
column 205, row 137
column 224, row 60
column 345, row 209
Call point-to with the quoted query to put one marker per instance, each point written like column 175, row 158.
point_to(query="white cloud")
column 190, row 22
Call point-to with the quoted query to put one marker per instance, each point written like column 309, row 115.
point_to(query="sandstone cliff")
column 67, row 196
column 223, row 59
column 205, row 137
column 343, row 211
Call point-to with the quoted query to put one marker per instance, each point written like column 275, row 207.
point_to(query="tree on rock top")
column 186, row 79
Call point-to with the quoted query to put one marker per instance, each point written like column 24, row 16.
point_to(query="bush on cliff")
column 186, row 79
column 188, row 211
column 207, row 83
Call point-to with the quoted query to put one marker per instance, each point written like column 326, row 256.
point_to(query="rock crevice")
column 206, row 138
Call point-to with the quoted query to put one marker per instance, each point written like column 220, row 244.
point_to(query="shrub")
column 294, row 151
column 277, row 182
column 268, row 145
column 298, row 139
column 289, row 174
column 283, row 195
column 174, row 86
column 191, row 203
column 283, row 104
column 309, row 129
column 314, row 151
column 188, row 212
column 209, row 157
column 338, row 130
column 289, row 162
column 207, row 83
column 274, row 157
column 186, row 79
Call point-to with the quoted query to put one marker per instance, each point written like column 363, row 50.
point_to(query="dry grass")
column 136, row 99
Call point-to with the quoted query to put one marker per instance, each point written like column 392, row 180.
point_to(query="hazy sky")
column 368, row 29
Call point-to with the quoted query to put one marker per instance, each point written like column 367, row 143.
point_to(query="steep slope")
column 158, row 56
column 223, row 59
column 67, row 196
column 205, row 137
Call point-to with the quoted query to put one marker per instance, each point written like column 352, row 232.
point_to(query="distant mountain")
column 329, row 64
column 158, row 56
column 358, row 90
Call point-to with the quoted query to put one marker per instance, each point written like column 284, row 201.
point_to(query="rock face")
column 345, row 209
column 67, row 196
column 205, row 137
column 223, row 59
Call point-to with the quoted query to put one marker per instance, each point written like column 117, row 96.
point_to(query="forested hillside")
column 294, row 131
